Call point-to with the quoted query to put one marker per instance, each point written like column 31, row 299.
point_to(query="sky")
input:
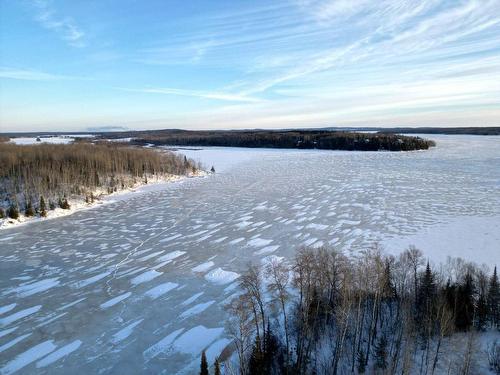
column 76, row 65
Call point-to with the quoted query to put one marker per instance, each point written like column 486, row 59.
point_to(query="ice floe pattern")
column 138, row 286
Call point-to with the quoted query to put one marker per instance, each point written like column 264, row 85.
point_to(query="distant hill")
column 469, row 130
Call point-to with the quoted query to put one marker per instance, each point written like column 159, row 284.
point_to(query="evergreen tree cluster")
column 302, row 139
column 204, row 365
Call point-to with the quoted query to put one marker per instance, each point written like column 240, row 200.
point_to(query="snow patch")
column 203, row 267
column 19, row 315
column 160, row 290
column 145, row 277
column 58, row 354
column 196, row 339
column 29, row 356
column 114, row 301
column 125, row 332
column 221, row 277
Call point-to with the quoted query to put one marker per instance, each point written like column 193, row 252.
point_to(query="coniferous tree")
column 29, row 211
column 271, row 350
column 256, row 365
column 493, row 300
column 43, row 207
column 426, row 295
column 388, row 290
column 481, row 312
column 203, row 364
column 2, row 213
column 217, row 367
column 13, row 211
column 212, row 169
column 465, row 303
column 64, row 204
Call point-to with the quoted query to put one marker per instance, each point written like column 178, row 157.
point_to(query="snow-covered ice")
column 19, row 315
column 203, row 267
column 196, row 309
column 145, row 277
column 196, row 339
column 29, row 356
column 125, row 332
column 161, row 289
column 114, row 301
column 59, row 353
column 221, row 277
column 139, row 283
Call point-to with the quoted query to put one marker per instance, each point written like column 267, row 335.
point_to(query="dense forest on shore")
column 325, row 140
column 326, row 313
column 36, row 178
column 461, row 131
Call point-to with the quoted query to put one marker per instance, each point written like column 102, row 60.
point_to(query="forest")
column 301, row 139
column 463, row 130
column 36, row 178
column 327, row 313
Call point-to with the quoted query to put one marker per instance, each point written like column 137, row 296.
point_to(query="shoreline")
column 102, row 198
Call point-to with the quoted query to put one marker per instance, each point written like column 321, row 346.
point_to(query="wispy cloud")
column 195, row 93
column 30, row 75
column 283, row 63
column 65, row 27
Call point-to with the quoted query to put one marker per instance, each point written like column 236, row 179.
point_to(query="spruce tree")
column 13, row 211
column 203, row 364
column 388, row 289
column 426, row 295
column 29, row 211
column 465, row 303
column 493, row 300
column 256, row 364
column 212, row 169
column 43, row 207
column 217, row 367
column 482, row 313
column 2, row 213
column 271, row 350
column 64, row 204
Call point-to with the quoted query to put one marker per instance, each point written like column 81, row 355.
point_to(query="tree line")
column 36, row 178
column 327, row 313
column 487, row 130
column 301, row 139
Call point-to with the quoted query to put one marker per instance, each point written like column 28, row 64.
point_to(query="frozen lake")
column 138, row 285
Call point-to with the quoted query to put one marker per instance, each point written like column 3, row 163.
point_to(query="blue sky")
column 71, row 65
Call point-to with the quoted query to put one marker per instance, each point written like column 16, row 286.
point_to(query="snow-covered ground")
column 62, row 139
column 139, row 285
